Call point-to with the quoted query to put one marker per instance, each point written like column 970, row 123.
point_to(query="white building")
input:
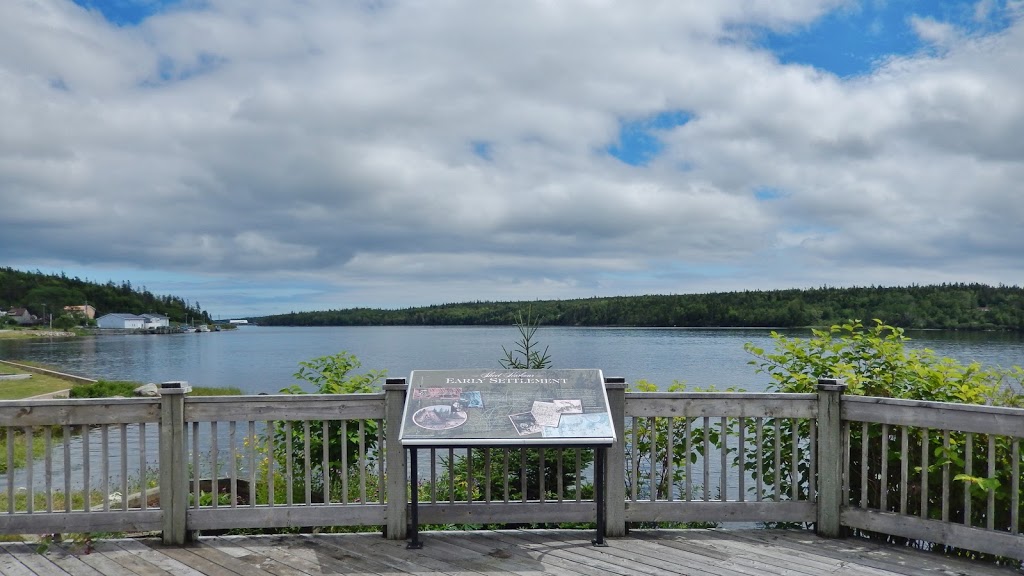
column 121, row 321
column 154, row 321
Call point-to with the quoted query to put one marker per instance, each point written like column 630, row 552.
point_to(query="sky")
column 269, row 156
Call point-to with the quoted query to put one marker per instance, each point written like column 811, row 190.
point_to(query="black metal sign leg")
column 599, row 494
column 414, row 509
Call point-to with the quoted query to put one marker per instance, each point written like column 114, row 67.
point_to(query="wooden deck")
column 548, row 552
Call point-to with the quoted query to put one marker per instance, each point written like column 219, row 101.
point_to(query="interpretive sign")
column 506, row 407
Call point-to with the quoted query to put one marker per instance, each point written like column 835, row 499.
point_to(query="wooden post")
column 830, row 457
column 173, row 472
column 394, row 406
column 615, row 468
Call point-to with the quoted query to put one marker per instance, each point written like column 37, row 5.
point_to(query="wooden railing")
column 180, row 464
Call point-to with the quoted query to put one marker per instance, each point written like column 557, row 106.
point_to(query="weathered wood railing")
column 180, row 464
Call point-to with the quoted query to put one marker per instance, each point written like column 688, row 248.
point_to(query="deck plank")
column 496, row 553
column 513, row 558
column 897, row 559
column 35, row 562
column 764, row 558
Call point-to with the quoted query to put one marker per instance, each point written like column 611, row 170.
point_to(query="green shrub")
column 104, row 389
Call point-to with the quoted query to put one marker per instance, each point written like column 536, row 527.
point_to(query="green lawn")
column 34, row 386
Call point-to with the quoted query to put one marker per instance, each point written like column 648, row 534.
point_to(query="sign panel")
column 506, row 407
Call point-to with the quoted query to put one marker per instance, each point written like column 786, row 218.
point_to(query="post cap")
column 614, row 382
column 175, row 387
column 831, row 384
column 394, row 384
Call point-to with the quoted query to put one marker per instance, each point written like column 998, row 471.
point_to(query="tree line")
column 943, row 306
column 45, row 294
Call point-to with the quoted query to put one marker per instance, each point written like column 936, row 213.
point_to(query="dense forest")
column 44, row 294
column 946, row 306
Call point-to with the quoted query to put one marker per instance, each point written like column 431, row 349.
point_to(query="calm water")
column 263, row 359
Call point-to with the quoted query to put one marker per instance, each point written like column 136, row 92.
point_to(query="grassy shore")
column 28, row 333
column 36, row 385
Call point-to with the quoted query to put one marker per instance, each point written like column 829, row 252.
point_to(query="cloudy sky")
column 267, row 156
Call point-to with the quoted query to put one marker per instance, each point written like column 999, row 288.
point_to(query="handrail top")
column 907, row 403
column 722, row 395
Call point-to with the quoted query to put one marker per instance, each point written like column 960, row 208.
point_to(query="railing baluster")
column 505, row 468
column 451, row 475
column 864, row 464
column 968, row 471
column 670, row 460
column 687, row 469
column 289, row 496
column 252, row 463
column 812, row 479
column 778, row 459
column 344, row 462
column 469, row 475
column 945, row 476
column 652, row 482
column 487, row 475
column 579, row 474
column 362, row 461
column 48, row 443
column 87, row 457
column 214, row 468
column 124, row 466
column 105, row 465
column 1015, row 486
column 307, row 464
column 742, row 449
column 635, row 476
column 925, row 445
column 560, row 469
column 433, row 475
column 704, row 461
column 541, row 474
column 723, row 478
column 794, row 469
column 29, row 458
column 233, row 463
column 325, row 464
column 196, row 473
column 271, row 450
column 381, row 484
column 759, row 438
column 10, row 471
column 847, row 440
column 991, row 511
column 143, row 468
column 904, row 467
column 66, row 441
column 883, row 491
column 522, row 473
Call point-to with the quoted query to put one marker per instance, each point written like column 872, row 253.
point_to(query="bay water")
column 259, row 359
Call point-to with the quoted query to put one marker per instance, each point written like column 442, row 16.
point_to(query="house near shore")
column 22, row 316
column 84, row 310
column 118, row 321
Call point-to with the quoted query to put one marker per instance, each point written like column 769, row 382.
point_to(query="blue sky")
column 263, row 156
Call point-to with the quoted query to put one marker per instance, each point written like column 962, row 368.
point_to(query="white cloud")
column 332, row 144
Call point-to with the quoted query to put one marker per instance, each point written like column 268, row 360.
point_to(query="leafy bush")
column 874, row 361
column 330, row 375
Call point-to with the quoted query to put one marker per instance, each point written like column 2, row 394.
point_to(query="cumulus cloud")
column 395, row 153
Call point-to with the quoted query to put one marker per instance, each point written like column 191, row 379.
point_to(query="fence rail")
column 931, row 472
